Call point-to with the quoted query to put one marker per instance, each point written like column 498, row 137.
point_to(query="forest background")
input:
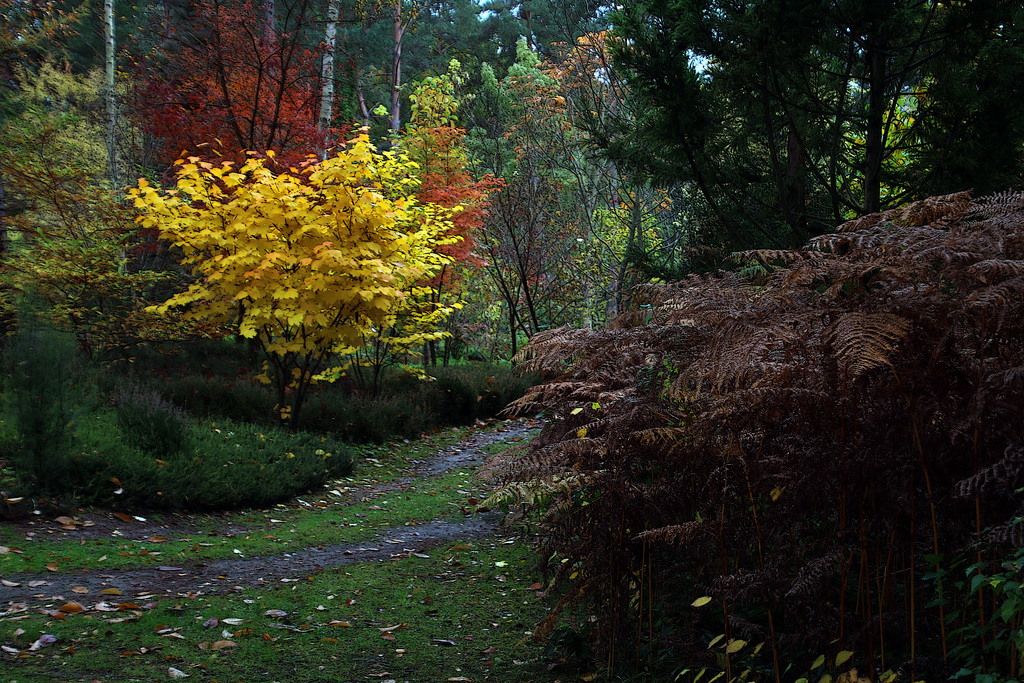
column 599, row 146
column 512, row 168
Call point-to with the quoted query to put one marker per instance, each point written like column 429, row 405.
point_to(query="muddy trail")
column 19, row 591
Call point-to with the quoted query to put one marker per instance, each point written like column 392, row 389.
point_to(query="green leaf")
column 715, row 640
column 700, row 602
column 576, row 411
column 818, row 662
column 843, row 657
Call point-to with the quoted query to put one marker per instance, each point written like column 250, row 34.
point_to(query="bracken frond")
column 676, row 534
column 1003, row 476
column 537, row 491
column 863, row 341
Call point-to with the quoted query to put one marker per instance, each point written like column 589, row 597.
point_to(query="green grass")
column 463, row 611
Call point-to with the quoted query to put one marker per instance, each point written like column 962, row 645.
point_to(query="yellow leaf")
column 843, row 657
column 700, row 602
column 735, row 646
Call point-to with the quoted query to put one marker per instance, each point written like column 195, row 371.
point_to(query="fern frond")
column 537, row 492
column 1001, row 476
column 676, row 533
column 863, row 341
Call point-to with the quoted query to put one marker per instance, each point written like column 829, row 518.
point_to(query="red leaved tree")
column 235, row 76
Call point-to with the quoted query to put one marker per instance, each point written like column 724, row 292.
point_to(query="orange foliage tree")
column 435, row 142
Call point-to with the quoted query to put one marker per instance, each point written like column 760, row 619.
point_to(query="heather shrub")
column 224, row 464
column 380, row 420
column 220, row 397
column 149, row 422
column 451, row 398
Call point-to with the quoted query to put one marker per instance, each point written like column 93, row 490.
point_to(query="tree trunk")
column 270, row 24
column 3, row 218
column 327, row 76
column 874, row 150
column 110, row 55
column 396, row 67
column 361, row 98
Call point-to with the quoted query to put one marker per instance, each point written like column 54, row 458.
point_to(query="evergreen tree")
column 789, row 116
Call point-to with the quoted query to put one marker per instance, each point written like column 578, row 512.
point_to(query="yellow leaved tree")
column 306, row 262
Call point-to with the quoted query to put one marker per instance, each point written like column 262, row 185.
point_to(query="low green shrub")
column 149, row 422
column 380, row 420
column 222, row 464
column 451, row 398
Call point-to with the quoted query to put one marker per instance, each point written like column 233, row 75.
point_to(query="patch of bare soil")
column 237, row 573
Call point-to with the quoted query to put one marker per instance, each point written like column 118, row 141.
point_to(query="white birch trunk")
column 396, row 67
column 323, row 125
column 110, row 94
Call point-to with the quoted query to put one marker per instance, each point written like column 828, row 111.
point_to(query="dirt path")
column 220, row 576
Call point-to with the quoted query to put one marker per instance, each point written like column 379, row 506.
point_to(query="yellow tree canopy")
column 306, row 261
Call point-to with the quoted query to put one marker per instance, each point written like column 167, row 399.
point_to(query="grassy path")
column 289, row 593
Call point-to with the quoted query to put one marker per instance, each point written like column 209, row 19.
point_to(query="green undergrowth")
column 462, row 611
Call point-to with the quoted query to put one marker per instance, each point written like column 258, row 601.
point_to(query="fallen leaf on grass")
column 44, row 640
column 443, row 641
column 168, row 569
column 343, row 624
column 176, row 673
column 457, row 678
column 223, row 644
column 37, row 583
column 111, row 591
column 52, row 566
column 233, row 622
column 536, row 586
column 275, row 613
column 127, row 605
column 10, row 584
column 387, row 636
column 123, row 517
column 9, row 650
column 389, row 629
column 71, row 608
column 81, row 590
column 211, row 622
column 157, row 539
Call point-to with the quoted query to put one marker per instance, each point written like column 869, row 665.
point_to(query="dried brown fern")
column 794, row 443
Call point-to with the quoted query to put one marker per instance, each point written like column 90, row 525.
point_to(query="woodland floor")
column 256, row 574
